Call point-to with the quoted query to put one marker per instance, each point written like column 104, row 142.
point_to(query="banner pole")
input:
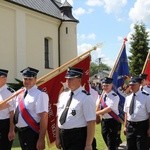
column 147, row 58
column 42, row 79
column 11, row 97
column 116, row 62
column 112, row 71
column 60, row 69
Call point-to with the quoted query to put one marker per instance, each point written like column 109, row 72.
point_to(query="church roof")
column 48, row 7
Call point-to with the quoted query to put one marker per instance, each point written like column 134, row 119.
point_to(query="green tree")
column 95, row 68
column 139, row 49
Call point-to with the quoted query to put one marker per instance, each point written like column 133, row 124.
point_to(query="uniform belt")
column 21, row 129
column 4, row 120
column 73, row 130
column 107, row 119
column 137, row 122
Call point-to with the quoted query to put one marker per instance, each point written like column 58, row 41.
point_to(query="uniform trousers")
column 27, row 138
column 74, row 139
column 137, row 135
column 109, row 130
column 5, row 144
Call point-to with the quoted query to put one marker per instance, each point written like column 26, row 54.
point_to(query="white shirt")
column 146, row 88
column 141, row 106
column 5, row 93
column 94, row 94
column 81, row 110
column 112, row 101
column 36, row 102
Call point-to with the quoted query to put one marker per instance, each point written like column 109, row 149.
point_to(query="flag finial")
column 124, row 40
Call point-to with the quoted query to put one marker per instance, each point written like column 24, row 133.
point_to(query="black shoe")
column 119, row 141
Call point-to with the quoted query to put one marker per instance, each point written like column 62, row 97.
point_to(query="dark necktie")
column 64, row 113
column 17, row 110
column 105, row 98
column 25, row 94
column 131, row 108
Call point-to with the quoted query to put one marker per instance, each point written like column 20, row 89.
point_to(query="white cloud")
column 114, row 6
column 89, row 11
column 120, row 38
column 120, row 19
column 69, row 1
column 94, row 3
column 131, row 32
column 80, row 11
column 110, row 6
column 140, row 11
column 95, row 53
column 84, row 48
column 91, row 36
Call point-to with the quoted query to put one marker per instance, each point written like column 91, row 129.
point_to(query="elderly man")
column 76, row 115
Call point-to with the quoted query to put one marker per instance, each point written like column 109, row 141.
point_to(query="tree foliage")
column 139, row 49
column 96, row 68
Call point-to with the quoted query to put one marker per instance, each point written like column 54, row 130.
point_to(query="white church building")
column 36, row 33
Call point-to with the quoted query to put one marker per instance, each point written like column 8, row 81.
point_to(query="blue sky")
column 108, row 22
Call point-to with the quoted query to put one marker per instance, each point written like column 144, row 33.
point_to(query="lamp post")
column 99, row 63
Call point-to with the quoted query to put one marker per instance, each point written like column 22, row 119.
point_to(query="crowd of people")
column 77, row 112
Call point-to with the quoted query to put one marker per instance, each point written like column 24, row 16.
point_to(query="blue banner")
column 120, row 78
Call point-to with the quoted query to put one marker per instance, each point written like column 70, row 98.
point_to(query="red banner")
column 146, row 68
column 53, row 87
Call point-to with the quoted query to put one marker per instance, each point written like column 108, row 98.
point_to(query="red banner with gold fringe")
column 54, row 86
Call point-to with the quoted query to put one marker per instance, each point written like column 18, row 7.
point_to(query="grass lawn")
column 100, row 143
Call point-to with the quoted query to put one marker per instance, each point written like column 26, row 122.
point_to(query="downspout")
column 59, row 57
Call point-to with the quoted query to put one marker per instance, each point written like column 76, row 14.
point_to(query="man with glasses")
column 137, row 116
column 7, row 133
column 76, row 115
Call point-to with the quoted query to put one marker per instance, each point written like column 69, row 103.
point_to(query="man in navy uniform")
column 145, row 87
column 7, row 133
column 35, row 103
column 76, row 115
column 137, row 116
column 31, row 115
column 109, row 103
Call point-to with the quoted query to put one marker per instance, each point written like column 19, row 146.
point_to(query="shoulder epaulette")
column 10, row 89
column 87, row 93
column 114, row 94
column 145, row 93
column 41, row 89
